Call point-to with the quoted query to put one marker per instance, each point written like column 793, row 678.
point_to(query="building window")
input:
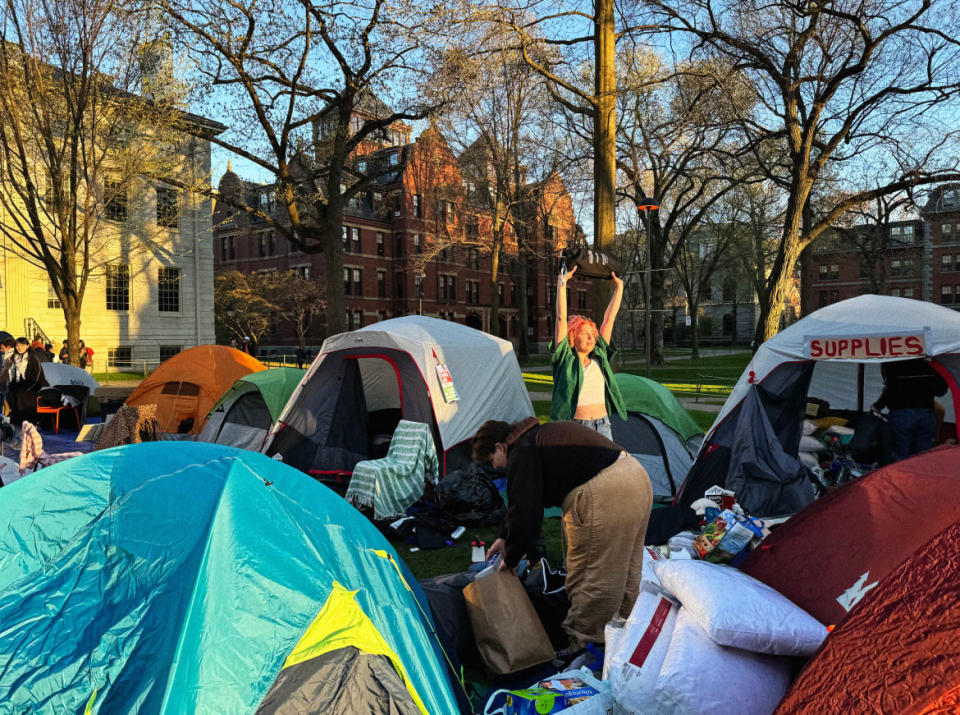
column 347, row 285
column 398, row 245
column 441, row 287
column 381, row 316
column 895, row 231
column 348, row 319
column 500, row 293
column 262, row 245
column 379, row 243
column 442, row 210
column 908, row 292
column 946, row 263
column 393, row 158
column 946, row 294
column 272, row 243
column 118, row 287
column 417, row 243
column 357, row 283
column 168, row 207
column 168, row 351
column 53, row 302
column 418, row 285
column 357, row 319
column 472, row 228
column 513, row 293
column 120, row 357
column 382, row 284
column 949, row 197
column 398, row 284
column 452, row 288
column 345, row 239
column 417, row 206
column 356, row 240
column 581, row 300
column 168, row 290
column 301, row 271
column 895, row 292
column 115, row 198
column 822, row 299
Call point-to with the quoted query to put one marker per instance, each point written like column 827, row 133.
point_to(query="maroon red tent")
column 837, row 549
column 899, row 650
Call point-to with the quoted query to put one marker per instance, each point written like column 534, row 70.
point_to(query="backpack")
column 469, row 496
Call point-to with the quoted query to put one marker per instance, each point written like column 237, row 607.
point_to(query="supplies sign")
column 446, row 381
column 888, row 346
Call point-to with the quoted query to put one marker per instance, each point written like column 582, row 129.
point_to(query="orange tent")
column 189, row 384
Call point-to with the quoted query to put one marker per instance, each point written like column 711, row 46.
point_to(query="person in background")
column 605, row 496
column 6, row 351
column 909, row 387
column 44, row 354
column 37, row 343
column 583, row 385
column 65, row 354
column 24, row 383
column 301, row 354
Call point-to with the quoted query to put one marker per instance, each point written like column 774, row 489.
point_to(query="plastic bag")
column 468, row 496
column 575, row 692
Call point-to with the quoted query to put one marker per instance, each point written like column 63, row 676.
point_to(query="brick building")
column 918, row 258
column 418, row 242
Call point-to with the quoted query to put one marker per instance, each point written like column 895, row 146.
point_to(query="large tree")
column 309, row 86
column 682, row 149
column 840, row 83
column 77, row 138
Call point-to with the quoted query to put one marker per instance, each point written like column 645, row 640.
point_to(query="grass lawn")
column 117, row 376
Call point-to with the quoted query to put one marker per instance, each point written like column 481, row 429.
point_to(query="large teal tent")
column 175, row 577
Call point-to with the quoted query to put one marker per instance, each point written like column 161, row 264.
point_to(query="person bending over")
column 583, row 385
column 605, row 496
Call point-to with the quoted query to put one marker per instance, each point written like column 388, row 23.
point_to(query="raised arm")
column 560, row 329
column 610, row 316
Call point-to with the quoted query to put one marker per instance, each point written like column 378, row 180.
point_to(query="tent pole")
column 860, row 373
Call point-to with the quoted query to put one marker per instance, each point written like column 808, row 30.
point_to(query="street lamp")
column 647, row 208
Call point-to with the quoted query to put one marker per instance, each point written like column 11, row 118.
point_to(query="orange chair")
column 49, row 403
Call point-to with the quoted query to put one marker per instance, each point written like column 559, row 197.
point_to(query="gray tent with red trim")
column 835, row 354
column 421, row 369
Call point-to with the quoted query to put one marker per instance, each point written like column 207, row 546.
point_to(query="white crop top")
column 592, row 390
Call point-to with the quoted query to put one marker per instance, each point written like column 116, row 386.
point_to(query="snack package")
column 551, row 696
column 738, row 536
column 723, row 498
column 713, row 533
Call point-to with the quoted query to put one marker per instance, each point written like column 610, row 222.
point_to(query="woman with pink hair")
column 583, row 385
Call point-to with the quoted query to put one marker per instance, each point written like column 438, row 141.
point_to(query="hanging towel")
column 395, row 482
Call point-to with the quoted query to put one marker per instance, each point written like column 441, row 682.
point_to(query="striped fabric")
column 395, row 482
column 31, row 450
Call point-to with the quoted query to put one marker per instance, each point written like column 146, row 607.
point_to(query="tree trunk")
column 523, row 345
column 71, row 317
column 494, row 293
column 604, row 122
column 657, row 301
column 329, row 238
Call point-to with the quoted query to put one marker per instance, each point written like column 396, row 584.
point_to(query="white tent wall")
column 484, row 370
column 872, row 316
column 380, row 387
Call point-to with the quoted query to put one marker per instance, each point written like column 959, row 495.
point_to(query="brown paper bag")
column 508, row 631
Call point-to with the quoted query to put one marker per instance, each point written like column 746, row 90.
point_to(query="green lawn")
column 117, row 376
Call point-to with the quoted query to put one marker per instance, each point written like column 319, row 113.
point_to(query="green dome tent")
column 246, row 412
column 175, row 577
column 658, row 432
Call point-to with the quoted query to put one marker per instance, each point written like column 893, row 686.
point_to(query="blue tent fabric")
column 175, row 577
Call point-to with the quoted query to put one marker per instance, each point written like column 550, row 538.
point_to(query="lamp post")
column 647, row 208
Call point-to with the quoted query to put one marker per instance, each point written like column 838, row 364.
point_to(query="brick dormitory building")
column 418, row 243
column 918, row 258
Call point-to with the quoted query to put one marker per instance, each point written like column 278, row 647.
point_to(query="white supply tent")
column 834, row 354
column 363, row 381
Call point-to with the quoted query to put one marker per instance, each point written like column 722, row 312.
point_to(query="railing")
column 31, row 328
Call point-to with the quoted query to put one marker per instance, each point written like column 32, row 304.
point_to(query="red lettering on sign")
column 816, row 350
column 856, row 344
column 913, row 345
column 894, row 346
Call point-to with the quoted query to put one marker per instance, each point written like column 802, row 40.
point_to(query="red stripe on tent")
column 650, row 636
column 954, row 391
column 393, row 364
column 341, row 472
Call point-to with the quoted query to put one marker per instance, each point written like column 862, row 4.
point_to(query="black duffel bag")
column 590, row 263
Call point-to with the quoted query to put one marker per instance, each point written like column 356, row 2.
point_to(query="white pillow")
column 634, row 665
column 811, row 444
column 737, row 610
column 699, row 676
column 808, row 459
column 809, row 428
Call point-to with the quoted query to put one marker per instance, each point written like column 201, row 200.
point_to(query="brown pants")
column 605, row 520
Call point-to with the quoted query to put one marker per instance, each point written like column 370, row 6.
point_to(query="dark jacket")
column 909, row 384
column 544, row 464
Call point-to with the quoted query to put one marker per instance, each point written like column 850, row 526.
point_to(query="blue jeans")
column 913, row 430
column 601, row 425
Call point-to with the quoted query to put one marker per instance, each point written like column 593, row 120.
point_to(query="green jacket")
column 568, row 377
